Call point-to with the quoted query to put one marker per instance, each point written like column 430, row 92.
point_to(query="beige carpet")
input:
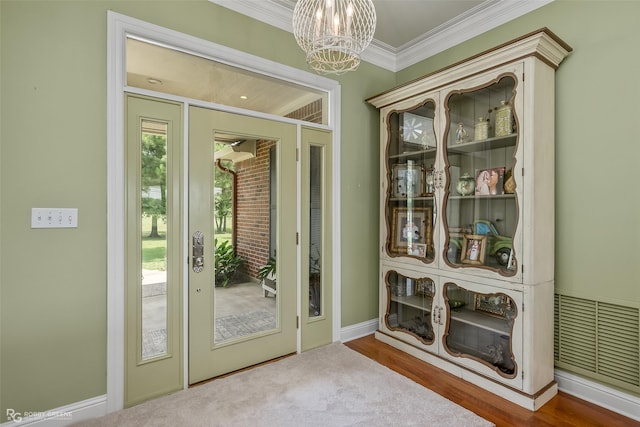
column 328, row 386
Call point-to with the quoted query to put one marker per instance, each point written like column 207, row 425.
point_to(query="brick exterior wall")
column 252, row 209
column 252, row 204
column 309, row 113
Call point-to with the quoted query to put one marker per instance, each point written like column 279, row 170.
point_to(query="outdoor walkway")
column 240, row 309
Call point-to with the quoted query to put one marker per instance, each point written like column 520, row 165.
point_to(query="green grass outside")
column 154, row 250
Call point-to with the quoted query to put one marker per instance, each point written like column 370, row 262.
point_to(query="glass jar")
column 504, row 119
column 481, row 130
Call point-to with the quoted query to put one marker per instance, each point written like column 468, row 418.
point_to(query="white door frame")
column 118, row 28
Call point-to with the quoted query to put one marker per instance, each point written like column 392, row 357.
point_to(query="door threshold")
column 267, row 362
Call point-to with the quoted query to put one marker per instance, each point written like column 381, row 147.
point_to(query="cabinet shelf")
column 483, row 145
column 483, row 321
column 420, row 303
column 405, row 199
column 412, row 154
column 493, row 197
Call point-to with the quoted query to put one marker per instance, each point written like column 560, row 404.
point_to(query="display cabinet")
column 467, row 217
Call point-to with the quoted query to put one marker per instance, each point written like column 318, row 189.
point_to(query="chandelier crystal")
column 334, row 33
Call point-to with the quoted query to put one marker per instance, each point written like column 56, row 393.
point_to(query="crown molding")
column 278, row 13
column 484, row 17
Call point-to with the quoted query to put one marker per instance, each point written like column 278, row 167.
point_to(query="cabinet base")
column 528, row 401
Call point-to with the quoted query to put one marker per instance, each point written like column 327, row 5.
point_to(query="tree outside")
column 154, row 180
column 154, row 206
column 223, row 200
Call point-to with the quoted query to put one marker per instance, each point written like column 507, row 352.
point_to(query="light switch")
column 54, row 218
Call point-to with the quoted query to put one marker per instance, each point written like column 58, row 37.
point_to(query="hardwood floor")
column 562, row 410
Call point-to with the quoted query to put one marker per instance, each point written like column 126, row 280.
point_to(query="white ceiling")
column 407, row 31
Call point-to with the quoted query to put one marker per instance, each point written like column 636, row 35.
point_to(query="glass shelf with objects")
column 410, row 302
column 480, row 327
column 410, row 157
column 480, row 200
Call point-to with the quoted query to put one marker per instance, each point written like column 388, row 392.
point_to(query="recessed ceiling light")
column 244, row 97
column 154, row 81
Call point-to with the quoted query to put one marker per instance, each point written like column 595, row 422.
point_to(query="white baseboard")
column 61, row 417
column 599, row 394
column 358, row 330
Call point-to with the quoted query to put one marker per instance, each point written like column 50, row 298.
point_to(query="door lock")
column 198, row 252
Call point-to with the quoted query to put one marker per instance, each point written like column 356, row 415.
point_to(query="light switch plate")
column 54, row 218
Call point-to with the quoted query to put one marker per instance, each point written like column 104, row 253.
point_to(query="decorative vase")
column 504, row 119
column 461, row 134
column 481, row 129
column 509, row 182
column 466, row 185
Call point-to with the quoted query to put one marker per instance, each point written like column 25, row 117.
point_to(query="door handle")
column 197, row 252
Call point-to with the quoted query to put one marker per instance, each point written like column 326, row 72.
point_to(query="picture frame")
column 406, row 180
column 474, row 247
column 418, row 130
column 495, row 304
column 424, row 288
column 490, row 182
column 417, row 249
column 410, row 227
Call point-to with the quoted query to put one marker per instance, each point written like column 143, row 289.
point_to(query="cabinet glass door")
column 481, row 206
column 409, row 305
column 410, row 156
column 480, row 327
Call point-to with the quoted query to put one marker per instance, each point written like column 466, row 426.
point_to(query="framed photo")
column 406, row 180
column 409, row 227
column 495, row 304
column 424, row 287
column 474, row 247
column 490, row 182
column 428, row 186
column 418, row 130
column 417, row 249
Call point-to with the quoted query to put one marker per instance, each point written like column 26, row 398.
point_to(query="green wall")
column 53, row 154
column 597, row 148
column 53, row 286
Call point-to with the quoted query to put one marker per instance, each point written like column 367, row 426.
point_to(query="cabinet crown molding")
column 542, row 44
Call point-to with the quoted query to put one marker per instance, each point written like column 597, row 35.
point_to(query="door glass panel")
column 315, row 230
column 410, row 197
column 154, row 238
column 245, row 296
column 410, row 305
column 481, row 204
column 480, row 327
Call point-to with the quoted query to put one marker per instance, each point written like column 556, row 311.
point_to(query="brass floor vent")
column 598, row 340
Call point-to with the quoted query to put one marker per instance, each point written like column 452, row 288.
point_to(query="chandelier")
column 334, row 33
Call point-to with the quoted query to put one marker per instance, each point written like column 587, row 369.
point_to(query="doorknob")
column 198, row 252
